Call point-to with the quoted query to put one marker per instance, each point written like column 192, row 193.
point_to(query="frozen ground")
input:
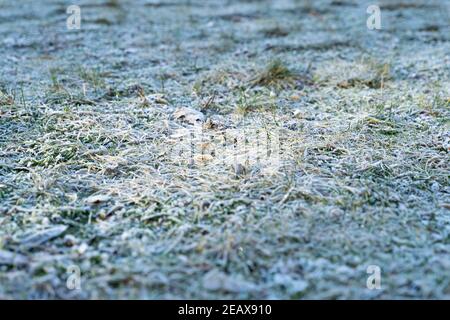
column 95, row 173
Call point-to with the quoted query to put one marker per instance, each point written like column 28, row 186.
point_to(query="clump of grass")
column 382, row 73
column 378, row 74
column 246, row 103
column 59, row 94
column 56, row 85
column 434, row 106
column 93, row 77
column 249, row 102
column 103, row 21
column 218, row 80
column 275, row 32
column 276, row 74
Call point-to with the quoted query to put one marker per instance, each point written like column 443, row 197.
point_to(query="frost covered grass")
column 92, row 174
